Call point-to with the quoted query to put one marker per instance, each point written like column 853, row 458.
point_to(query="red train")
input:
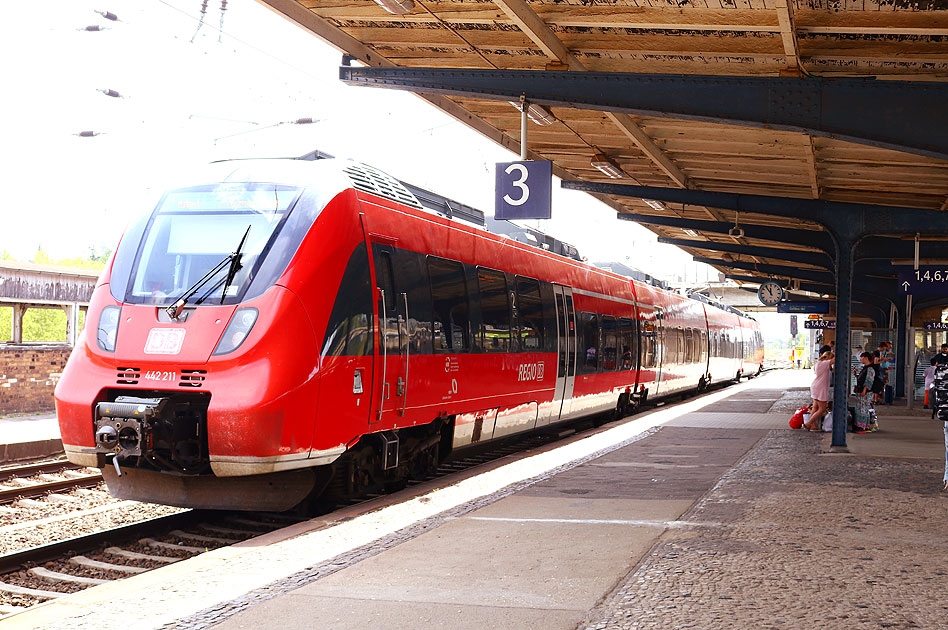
column 304, row 326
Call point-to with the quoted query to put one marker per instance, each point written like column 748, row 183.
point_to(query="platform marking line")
column 201, row 591
column 586, row 521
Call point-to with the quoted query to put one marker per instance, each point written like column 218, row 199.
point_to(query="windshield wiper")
column 232, row 259
column 235, row 265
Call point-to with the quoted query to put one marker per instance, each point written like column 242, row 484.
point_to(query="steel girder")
column 850, row 219
column 789, row 255
column 880, row 247
column 901, row 115
column 884, row 288
column 793, row 236
column 811, row 275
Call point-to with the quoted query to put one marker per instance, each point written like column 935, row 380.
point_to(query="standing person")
column 941, row 357
column 885, row 353
column 819, row 389
column 880, row 371
column 863, row 392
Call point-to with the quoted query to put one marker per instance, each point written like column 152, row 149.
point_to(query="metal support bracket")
column 389, row 449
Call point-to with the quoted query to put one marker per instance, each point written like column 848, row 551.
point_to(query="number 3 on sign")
column 520, row 183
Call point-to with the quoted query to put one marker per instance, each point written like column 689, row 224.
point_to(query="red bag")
column 796, row 422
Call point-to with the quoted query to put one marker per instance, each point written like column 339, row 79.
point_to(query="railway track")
column 50, row 571
column 45, row 572
column 27, row 481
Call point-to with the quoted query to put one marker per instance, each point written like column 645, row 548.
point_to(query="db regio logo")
column 530, row 371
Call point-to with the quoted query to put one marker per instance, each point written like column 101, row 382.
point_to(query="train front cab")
column 239, row 362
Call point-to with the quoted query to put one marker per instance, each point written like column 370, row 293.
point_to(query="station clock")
column 770, row 293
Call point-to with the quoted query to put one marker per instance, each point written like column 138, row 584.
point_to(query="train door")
column 391, row 376
column 660, row 353
column 566, row 352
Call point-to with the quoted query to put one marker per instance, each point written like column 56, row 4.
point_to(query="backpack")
column 878, row 385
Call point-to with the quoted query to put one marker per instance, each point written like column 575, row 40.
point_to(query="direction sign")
column 926, row 280
column 523, row 190
column 819, row 307
column 819, row 324
column 936, row 325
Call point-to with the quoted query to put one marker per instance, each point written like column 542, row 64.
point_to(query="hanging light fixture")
column 607, row 166
column 397, row 7
column 737, row 231
column 537, row 113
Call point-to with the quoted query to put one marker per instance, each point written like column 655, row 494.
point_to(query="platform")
column 29, row 437
column 710, row 514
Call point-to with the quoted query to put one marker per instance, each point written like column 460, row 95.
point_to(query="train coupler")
column 120, row 425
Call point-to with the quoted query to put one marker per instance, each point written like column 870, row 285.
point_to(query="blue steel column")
column 901, row 349
column 844, row 303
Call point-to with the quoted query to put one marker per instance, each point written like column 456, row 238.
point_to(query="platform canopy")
column 703, row 95
column 817, row 125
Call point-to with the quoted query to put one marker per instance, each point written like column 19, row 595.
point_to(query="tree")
column 49, row 324
column 6, row 323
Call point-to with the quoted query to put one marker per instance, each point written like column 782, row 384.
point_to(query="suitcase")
column 889, row 395
column 939, row 392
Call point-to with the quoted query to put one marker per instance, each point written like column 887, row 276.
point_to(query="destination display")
column 817, row 307
column 926, row 280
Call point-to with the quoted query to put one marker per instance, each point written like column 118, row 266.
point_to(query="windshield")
column 193, row 229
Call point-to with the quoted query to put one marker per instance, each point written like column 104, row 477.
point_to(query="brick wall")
column 28, row 375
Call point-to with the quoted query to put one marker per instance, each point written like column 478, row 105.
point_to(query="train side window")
column 530, row 307
column 348, row 331
column 610, row 343
column 648, row 344
column 671, row 347
column 384, row 278
column 627, row 344
column 590, row 343
column 409, row 270
column 450, row 327
column 495, row 310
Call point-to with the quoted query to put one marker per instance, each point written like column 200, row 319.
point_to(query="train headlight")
column 237, row 330
column 108, row 328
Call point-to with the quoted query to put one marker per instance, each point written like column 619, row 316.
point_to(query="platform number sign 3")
column 523, row 190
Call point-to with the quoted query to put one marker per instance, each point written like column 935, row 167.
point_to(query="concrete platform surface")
column 686, row 516
column 27, row 437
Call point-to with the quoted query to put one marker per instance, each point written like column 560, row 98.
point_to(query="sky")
column 192, row 93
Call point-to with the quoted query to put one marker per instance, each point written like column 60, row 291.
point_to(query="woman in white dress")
column 819, row 390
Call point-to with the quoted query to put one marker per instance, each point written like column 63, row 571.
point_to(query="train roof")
column 372, row 180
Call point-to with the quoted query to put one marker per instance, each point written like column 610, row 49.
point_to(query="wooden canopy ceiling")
column 890, row 39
